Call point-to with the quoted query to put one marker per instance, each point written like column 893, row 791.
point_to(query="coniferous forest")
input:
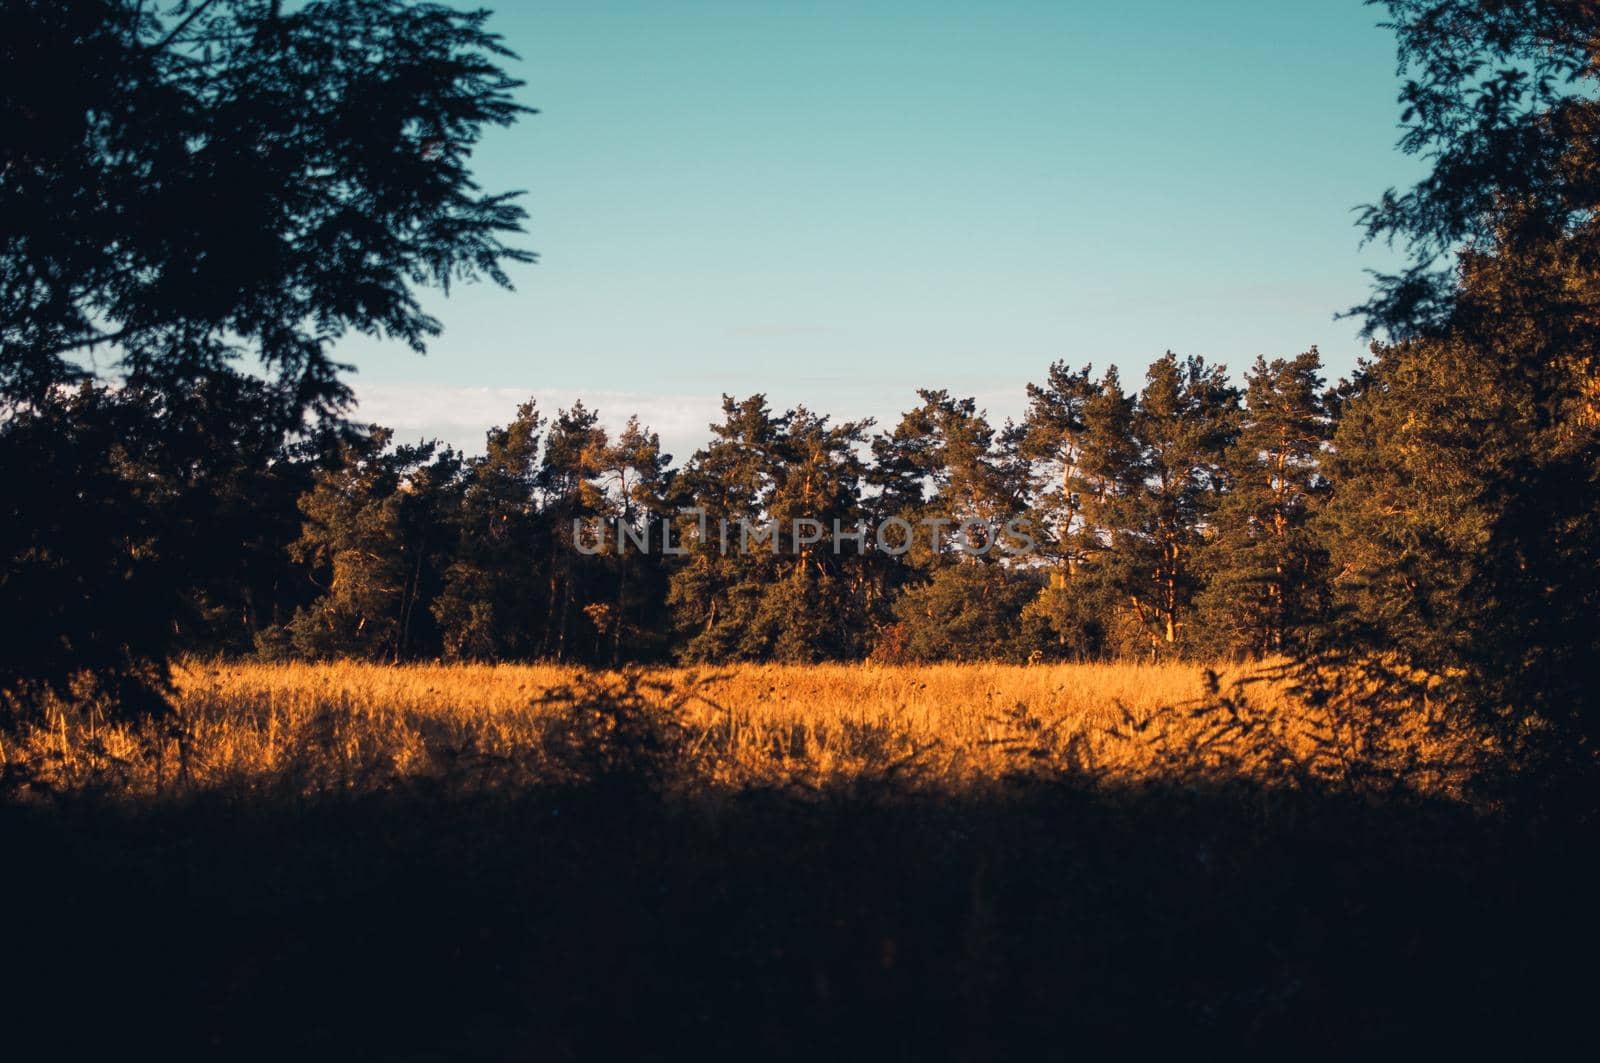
column 1179, row 518
column 1205, row 707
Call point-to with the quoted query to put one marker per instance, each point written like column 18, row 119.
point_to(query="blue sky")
column 838, row 202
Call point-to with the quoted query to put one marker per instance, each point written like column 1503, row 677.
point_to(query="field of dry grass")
column 361, row 727
column 963, row 861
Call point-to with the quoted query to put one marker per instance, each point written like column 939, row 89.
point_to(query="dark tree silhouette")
column 1499, row 100
column 377, row 535
column 1464, row 527
column 202, row 194
column 1463, row 523
column 493, row 596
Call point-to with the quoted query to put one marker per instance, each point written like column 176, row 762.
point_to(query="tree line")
column 1180, row 517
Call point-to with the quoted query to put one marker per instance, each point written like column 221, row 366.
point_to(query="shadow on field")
column 596, row 922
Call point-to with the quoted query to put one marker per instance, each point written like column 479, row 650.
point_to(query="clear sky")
column 837, row 202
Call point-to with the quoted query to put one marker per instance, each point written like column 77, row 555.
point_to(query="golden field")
column 318, row 727
column 358, row 861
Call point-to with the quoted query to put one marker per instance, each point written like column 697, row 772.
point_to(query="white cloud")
column 461, row 415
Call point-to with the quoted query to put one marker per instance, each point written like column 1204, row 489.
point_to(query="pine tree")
column 954, row 469
column 638, row 479
column 493, row 600
column 1055, row 432
column 376, row 539
column 1267, row 570
column 1159, row 515
column 960, row 484
column 1078, row 436
column 713, row 589
column 965, row 612
column 813, row 610
column 571, row 486
column 763, row 579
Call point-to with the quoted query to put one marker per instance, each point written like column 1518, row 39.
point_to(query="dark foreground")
column 1046, row 922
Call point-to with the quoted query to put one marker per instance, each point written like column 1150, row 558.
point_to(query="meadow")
column 959, row 861
column 356, row 727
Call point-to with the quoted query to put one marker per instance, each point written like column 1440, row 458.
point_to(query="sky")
column 837, row 202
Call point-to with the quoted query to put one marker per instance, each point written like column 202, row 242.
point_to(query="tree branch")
column 183, row 25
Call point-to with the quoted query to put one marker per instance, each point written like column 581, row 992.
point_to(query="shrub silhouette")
column 622, row 731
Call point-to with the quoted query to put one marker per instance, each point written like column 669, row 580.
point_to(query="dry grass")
column 362, row 727
column 357, row 861
column 349, row 726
